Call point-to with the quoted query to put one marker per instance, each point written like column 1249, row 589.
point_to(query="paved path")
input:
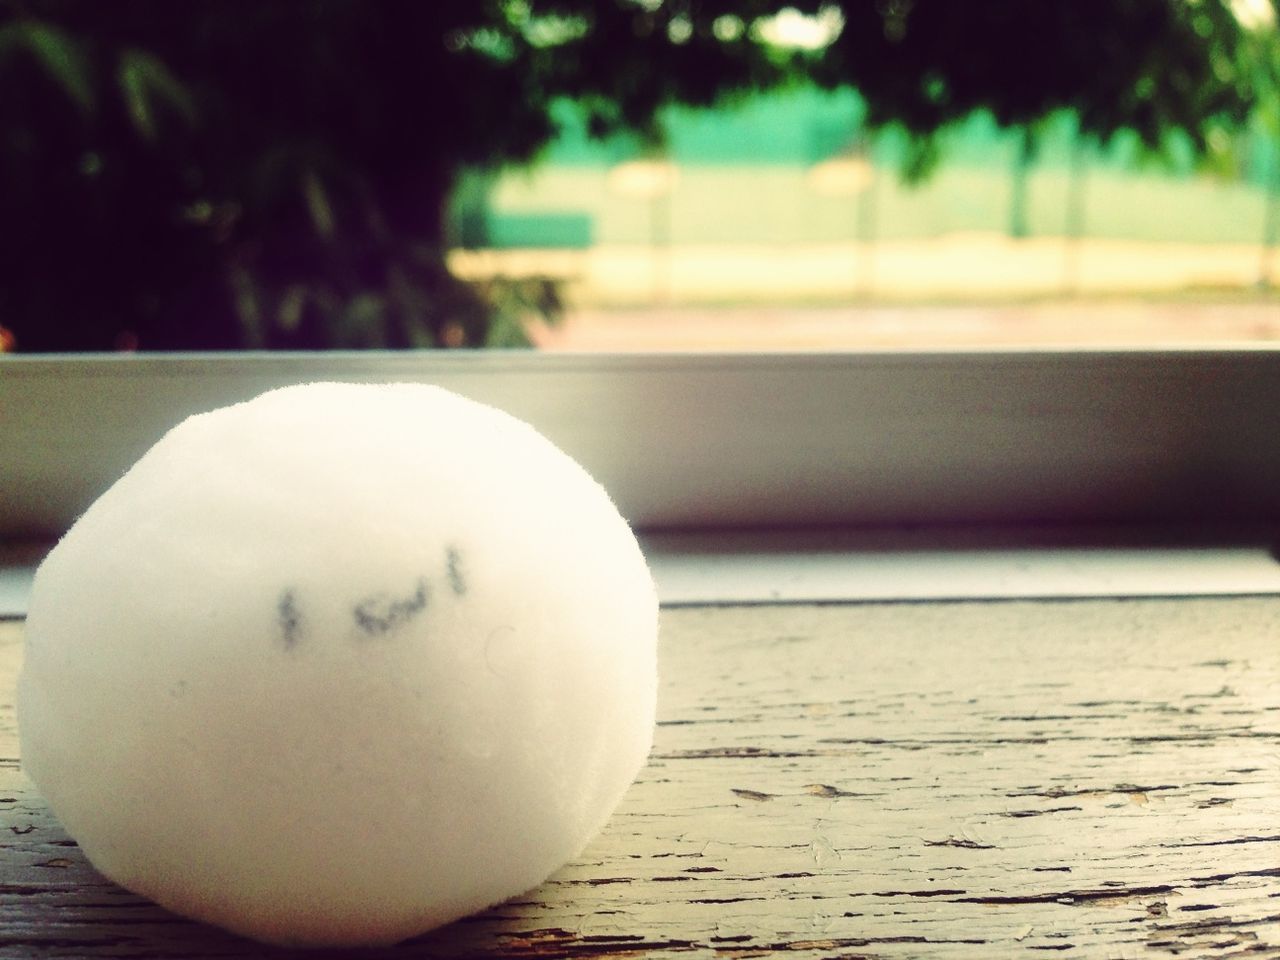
column 1235, row 319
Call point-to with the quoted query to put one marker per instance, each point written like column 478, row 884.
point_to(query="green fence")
column 750, row 174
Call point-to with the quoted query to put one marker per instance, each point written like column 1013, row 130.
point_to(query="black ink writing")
column 380, row 614
column 457, row 583
column 289, row 619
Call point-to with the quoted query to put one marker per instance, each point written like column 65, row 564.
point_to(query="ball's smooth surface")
column 340, row 664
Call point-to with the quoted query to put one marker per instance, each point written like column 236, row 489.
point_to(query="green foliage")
column 1151, row 66
column 61, row 57
column 209, row 175
column 147, row 85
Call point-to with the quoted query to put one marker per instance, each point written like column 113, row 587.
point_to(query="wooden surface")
column 1086, row 778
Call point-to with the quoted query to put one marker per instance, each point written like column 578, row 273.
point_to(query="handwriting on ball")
column 376, row 615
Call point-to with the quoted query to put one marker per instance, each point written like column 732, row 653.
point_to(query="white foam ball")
column 340, row 664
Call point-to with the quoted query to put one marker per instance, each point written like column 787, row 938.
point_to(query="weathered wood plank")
column 1095, row 778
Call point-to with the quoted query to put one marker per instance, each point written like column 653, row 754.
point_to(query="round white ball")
column 340, row 664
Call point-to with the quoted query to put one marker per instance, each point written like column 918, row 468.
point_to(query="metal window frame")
column 732, row 440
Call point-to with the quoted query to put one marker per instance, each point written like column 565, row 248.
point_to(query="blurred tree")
column 1260, row 62
column 209, row 175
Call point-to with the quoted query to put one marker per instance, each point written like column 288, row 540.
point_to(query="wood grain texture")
column 1085, row 778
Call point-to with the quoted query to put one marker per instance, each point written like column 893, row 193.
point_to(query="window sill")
column 930, row 780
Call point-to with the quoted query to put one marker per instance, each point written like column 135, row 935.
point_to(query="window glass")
column 638, row 175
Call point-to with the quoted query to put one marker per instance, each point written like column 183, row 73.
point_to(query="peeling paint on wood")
column 950, row 780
